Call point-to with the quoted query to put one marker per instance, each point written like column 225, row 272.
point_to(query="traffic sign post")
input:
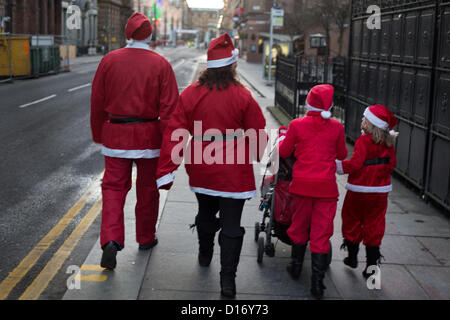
column 276, row 20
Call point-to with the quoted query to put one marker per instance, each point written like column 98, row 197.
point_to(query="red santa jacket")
column 370, row 168
column 132, row 82
column 215, row 168
column 316, row 143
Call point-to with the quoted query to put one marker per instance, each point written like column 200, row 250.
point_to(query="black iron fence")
column 295, row 76
column 405, row 65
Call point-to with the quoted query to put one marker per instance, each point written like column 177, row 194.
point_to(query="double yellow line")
column 46, row 275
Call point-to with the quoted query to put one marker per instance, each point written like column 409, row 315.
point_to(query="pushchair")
column 276, row 205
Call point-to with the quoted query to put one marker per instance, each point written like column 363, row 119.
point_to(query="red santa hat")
column 320, row 99
column 138, row 27
column 221, row 52
column 381, row 117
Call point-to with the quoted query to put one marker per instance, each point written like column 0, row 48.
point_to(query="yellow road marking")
column 93, row 267
column 92, row 277
column 47, row 274
column 8, row 284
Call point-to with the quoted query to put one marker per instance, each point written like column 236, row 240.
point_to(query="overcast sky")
column 214, row 4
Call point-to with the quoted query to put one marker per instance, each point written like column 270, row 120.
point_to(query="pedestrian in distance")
column 208, row 110
column 369, row 182
column 316, row 142
column 133, row 94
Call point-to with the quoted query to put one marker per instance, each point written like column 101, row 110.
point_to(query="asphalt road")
column 47, row 164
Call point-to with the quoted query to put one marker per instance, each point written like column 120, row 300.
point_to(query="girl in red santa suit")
column 133, row 94
column 316, row 141
column 209, row 110
column 369, row 182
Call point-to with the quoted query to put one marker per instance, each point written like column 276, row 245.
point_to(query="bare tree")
column 329, row 13
column 297, row 19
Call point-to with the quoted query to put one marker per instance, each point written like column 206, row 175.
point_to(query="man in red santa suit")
column 369, row 182
column 218, row 112
column 316, row 141
column 133, row 95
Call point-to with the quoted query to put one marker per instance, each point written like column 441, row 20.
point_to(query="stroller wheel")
column 260, row 250
column 257, row 231
column 270, row 249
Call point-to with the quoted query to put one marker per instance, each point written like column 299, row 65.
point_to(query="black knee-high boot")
column 297, row 254
column 319, row 266
column 206, row 233
column 353, row 248
column 230, row 251
column 373, row 256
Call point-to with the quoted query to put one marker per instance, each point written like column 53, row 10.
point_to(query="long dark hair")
column 221, row 77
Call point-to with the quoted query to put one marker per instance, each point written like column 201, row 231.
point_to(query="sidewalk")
column 416, row 248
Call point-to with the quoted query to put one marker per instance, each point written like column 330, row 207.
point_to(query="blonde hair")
column 378, row 135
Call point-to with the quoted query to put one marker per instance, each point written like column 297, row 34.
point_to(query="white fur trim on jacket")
column 168, row 178
column 131, row 154
column 139, row 44
column 223, row 62
column 367, row 189
column 223, row 194
column 339, row 169
column 377, row 122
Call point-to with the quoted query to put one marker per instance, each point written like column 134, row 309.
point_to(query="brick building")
column 252, row 19
column 112, row 18
column 32, row 17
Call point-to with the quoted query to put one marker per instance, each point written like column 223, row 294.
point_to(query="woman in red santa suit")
column 316, row 141
column 133, row 94
column 369, row 182
column 226, row 123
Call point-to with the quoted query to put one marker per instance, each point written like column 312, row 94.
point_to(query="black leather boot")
column 206, row 233
column 297, row 254
column 319, row 266
column 373, row 256
column 109, row 255
column 230, row 251
column 353, row 249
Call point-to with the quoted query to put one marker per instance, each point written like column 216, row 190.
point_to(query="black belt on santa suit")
column 130, row 120
column 376, row 161
column 222, row 137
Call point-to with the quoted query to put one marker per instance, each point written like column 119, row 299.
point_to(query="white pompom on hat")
column 320, row 99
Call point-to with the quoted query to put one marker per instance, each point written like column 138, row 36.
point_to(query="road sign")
column 277, row 17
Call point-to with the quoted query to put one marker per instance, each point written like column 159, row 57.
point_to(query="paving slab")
column 396, row 283
column 438, row 247
column 434, row 280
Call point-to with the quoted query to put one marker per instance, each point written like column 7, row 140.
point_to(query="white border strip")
column 233, row 195
column 168, row 178
column 339, row 169
column 131, row 154
column 366, row 189
column 375, row 120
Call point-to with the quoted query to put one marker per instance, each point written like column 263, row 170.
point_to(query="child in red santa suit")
column 369, row 182
column 316, row 141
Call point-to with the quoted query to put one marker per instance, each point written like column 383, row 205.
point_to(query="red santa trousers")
column 363, row 217
column 115, row 186
column 313, row 221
